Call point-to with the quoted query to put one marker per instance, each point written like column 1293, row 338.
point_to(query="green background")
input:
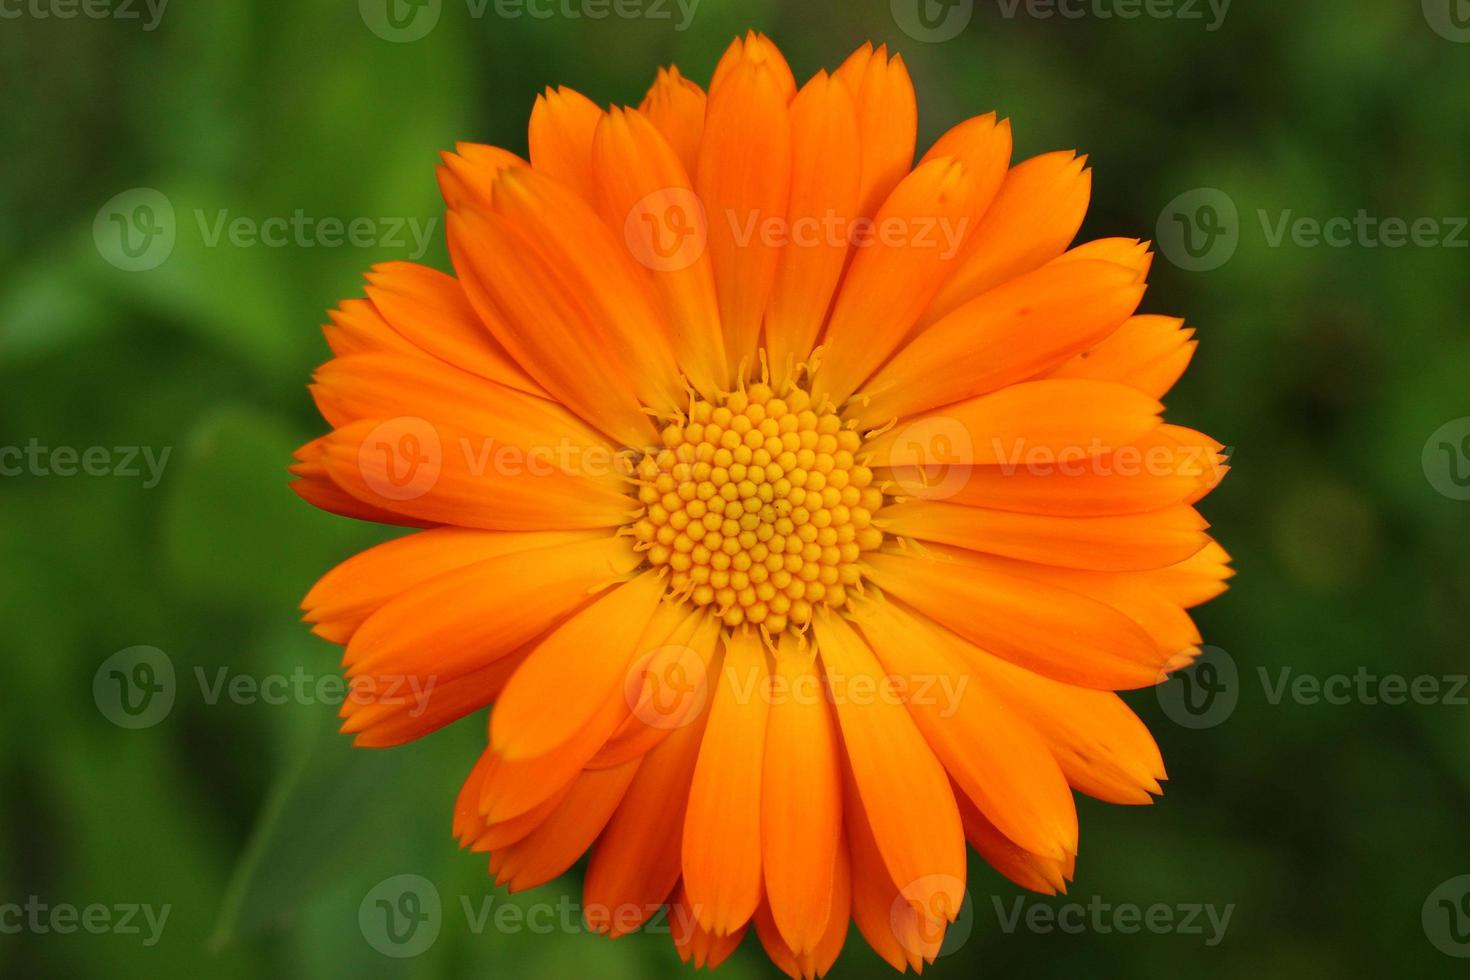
column 1326, row 827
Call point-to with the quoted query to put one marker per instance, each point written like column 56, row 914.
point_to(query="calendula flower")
column 799, row 508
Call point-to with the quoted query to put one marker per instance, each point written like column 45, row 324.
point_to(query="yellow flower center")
column 758, row 507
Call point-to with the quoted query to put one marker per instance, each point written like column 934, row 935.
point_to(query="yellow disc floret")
column 758, row 507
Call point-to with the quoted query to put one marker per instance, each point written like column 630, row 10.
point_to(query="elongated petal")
column 1034, row 217
column 744, row 178
column 637, row 860
column 358, row 587
column 646, row 197
column 993, row 752
column 895, row 271
column 676, row 106
column 825, row 172
column 695, row 944
column 1030, row 424
column 888, row 120
column 463, row 619
column 1054, row 631
column 1148, row 352
column 595, row 647
column 801, row 800
column 1011, row 333
column 467, row 175
column 1130, row 542
column 905, row 793
column 562, row 123
column 442, row 474
column 1040, row 874
column 722, row 829
column 430, row 309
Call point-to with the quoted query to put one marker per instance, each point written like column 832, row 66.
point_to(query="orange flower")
column 799, row 509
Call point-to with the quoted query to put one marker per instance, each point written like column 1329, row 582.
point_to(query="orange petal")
column 562, row 123
column 645, row 196
column 637, row 860
column 1167, row 466
column 541, row 708
column 442, row 474
column 913, row 247
column 983, row 145
column 1011, row 333
column 744, row 177
column 358, row 327
column 1045, row 628
column 824, row 199
column 992, row 752
column 567, row 832
column 388, row 709
column 696, row 944
column 519, row 292
column 430, row 310
column 1129, row 542
column 316, row 487
column 1034, row 217
column 816, row 963
column 463, row 619
column 675, row 106
column 801, row 800
column 904, row 791
column 722, row 830
column 1148, row 352
column 1029, row 424
column 888, row 120
column 1040, row 874
column 359, row 586
column 467, row 175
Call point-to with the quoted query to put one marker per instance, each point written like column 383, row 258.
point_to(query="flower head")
column 798, row 507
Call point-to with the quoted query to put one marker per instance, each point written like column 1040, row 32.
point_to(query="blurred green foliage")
column 1326, row 827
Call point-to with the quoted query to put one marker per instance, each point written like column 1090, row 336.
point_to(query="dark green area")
column 1326, row 827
